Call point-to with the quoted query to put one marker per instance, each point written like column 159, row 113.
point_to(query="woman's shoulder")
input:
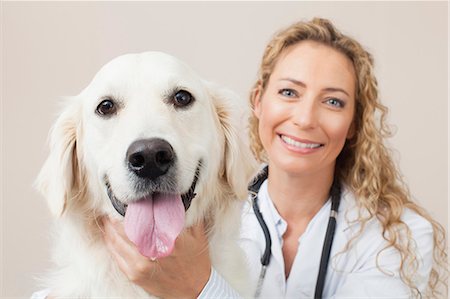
column 372, row 237
column 415, row 221
column 421, row 231
column 353, row 213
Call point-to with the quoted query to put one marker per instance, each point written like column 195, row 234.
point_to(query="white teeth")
column 299, row 144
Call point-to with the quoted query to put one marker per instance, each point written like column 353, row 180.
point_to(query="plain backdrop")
column 53, row 49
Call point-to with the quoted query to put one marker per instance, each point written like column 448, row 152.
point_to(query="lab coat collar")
column 348, row 216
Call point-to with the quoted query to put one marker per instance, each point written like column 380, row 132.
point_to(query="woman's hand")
column 183, row 274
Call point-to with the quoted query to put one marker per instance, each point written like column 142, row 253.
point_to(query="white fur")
column 85, row 147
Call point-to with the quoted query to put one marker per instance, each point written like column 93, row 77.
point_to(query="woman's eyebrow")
column 334, row 89
column 296, row 82
column 302, row 84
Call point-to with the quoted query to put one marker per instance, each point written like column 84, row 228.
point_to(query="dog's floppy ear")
column 59, row 176
column 239, row 162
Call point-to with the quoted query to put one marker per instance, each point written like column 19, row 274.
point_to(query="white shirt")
column 352, row 274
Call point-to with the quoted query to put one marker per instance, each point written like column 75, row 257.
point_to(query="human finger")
column 115, row 234
column 134, row 265
column 118, row 258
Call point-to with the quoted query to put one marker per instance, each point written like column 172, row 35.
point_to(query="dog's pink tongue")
column 153, row 224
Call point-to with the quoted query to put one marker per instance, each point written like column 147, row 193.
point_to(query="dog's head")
column 144, row 137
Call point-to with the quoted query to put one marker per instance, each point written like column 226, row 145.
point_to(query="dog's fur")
column 85, row 148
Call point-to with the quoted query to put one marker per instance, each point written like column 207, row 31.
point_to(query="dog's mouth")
column 154, row 221
column 187, row 197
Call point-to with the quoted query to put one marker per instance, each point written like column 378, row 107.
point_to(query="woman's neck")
column 299, row 197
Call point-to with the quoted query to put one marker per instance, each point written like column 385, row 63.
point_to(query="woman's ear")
column 59, row 176
column 256, row 101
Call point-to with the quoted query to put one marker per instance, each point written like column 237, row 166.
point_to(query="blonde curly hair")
column 365, row 164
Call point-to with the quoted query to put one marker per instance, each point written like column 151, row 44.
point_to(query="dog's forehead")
column 147, row 67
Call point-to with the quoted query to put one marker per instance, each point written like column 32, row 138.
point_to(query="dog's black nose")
column 150, row 158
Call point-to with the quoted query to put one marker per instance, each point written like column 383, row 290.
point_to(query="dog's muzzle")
column 187, row 197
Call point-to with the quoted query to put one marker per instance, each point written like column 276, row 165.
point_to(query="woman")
column 315, row 122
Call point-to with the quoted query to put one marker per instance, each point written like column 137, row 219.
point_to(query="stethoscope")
column 335, row 193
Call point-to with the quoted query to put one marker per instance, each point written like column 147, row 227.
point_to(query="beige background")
column 53, row 49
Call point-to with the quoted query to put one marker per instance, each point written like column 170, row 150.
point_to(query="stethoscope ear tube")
column 325, row 257
column 254, row 188
column 265, row 259
column 328, row 242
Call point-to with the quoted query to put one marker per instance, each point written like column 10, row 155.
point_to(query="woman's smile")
column 301, row 146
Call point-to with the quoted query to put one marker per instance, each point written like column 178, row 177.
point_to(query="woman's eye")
column 287, row 92
column 182, row 98
column 106, row 107
column 335, row 102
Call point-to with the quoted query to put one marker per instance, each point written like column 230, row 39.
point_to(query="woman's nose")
column 306, row 114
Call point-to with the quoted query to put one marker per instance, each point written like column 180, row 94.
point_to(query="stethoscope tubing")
column 335, row 193
column 265, row 258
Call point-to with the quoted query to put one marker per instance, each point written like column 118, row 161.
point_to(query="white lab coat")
column 352, row 274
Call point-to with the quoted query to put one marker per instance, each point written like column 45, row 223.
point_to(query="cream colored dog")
column 150, row 141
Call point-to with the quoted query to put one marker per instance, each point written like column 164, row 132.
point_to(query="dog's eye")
column 182, row 98
column 106, row 107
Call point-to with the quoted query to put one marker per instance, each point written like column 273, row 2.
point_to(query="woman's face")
column 306, row 111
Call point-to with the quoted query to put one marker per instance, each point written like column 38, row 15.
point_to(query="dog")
column 147, row 141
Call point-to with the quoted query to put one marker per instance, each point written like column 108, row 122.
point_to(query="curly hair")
column 380, row 190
